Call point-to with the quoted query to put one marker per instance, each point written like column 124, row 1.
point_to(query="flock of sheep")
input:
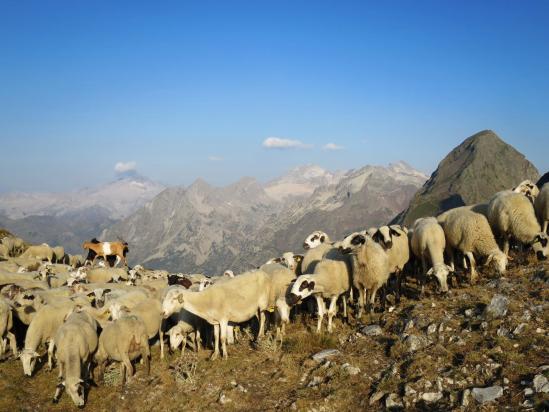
column 88, row 314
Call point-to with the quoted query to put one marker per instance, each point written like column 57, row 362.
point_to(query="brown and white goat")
column 105, row 249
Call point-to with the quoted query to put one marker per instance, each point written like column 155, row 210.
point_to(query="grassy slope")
column 462, row 356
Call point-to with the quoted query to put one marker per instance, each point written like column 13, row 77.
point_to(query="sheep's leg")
column 123, row 373
column 230, row 335
column 223, row 325
column 197, row 341
column 344, row 298
column 261, row 332
column 506, row 245
column 545, row 224
column 351, row 295
column 51, row 347
column 126, row 363
column 60, row 385
column 383, row 296
column 332, row 310
column 145, row 353
column 398, row 275
column 360, row 302
column 13, row 343
column 474, row 275
column 321, row 311
column 423, row 275
column 372, row 300
column 161, row 336
column 215, row 354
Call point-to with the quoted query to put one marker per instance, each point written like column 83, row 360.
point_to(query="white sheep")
column 149, row 311
column 281, row 279
column 59, row 254
column 394, row 239
column 330, row 280
column 75, row 342
column 370, row 267
column 6, row 324
column 123, row 340
column 4, row 251
column 186, row 324
column 542, row 207
column 105, row 275
column 41, row 252
column 317, row 245
column 428, row 244
column 42, row 330
column 528, row 189
column 235, row 300
column 470, row 233
column 511, row 215
column 292, row 262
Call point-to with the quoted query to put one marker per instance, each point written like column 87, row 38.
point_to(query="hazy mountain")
column 204, row 228
column 118, row 199
column 198, row 228
column 471, row 173
column 301, row 182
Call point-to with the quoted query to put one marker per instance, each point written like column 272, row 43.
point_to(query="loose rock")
column 431, row 397
column 484, row 395
column 541, row 385
column 415, row 343
column 498, row 307
column 326, row 353
column 393, row 401
column 371, row 330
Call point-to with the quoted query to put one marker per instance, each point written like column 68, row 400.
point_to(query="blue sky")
column 189, row 89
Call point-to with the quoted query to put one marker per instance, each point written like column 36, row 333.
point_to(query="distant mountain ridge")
column 204, row 228
column 118, row 198
column 480, row 166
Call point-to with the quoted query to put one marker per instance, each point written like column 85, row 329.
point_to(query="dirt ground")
column 455, row 347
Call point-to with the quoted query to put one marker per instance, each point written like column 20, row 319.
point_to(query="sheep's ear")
column 322, row 238
column 358, row 240
column 277, row 260
column 393, row 232
column 180, row 298
column 490, row 258
column 377, row 237
column 298, row 258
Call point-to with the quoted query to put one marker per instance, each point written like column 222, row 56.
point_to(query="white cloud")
column 280, row 143
column 124, row 167
column 215, row 158
column 332, row 146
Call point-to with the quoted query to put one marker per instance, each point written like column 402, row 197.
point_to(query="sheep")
column 470, row 233
column 14, row 245
column 318, row 245
column 330, row 280
column 542, row 207
column 186, row 324
column 281, row 278
column 123, row 340
column 6, row 324
column 59, row 254
column 105, row 275
column 394, row 240
column 105, row 249
column 76, row 261
column 428, row 243
column 235, row 300
column 292, row 262
column 512, row 215
column 370, row 267
column 42, row 330
column 41, row 252
column 528, row 189
column 75, row 342
column 4, row 251
column 149, row 311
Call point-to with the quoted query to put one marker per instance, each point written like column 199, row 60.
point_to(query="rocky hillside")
column 203, row 228
column 471, row 173
column 361, row 198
